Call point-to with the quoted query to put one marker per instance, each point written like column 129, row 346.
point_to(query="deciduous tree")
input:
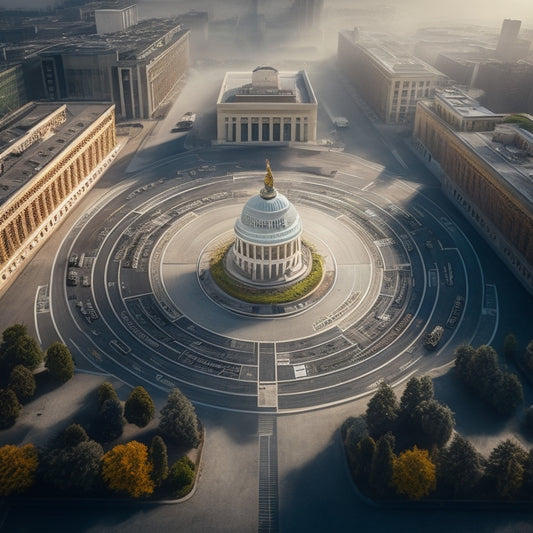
column 139, row 408
column 17, row 468
column 127, row 470
column 179, row 421
column 382, row 411
column 181, row 476
column 59, row 362
column 414, row 474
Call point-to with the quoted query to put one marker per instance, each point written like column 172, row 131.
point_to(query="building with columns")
column 50, row 156
column 266, row 106
column 268, row 249
column 486, row 169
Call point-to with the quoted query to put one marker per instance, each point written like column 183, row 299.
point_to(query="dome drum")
column 267, row 249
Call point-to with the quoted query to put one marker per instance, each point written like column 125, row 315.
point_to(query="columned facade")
column 484, row 189
column 277, row 107
column 30, row 214
column 267, row 249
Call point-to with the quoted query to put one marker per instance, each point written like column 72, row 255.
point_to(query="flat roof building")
column 137, row 69
column 266, row 106
column 486, row 171
column 389, row 81
column 50, row 156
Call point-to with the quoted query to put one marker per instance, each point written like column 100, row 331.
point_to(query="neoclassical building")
column 266, row 106
column 485, row 168
column 268, row 248
column 50, row 156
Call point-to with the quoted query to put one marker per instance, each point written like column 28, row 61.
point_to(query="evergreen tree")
column 109, row 423
column 382, row 411
column 9, row 408
column 24, row 351
column 159, row 460
column 181, row 477
column 382, row 465
column 22, row 383
column 505, row 467
column 59, row 362
column 366, row 448
column 460, row 466
column 139, row 408
column 434, row 423
column 106, row 391
column 179, row 421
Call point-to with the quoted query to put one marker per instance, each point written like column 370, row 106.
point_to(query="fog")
column 408, row 13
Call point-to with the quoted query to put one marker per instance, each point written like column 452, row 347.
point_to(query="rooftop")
column 20, row 169
column 513, row 165
column 463, row 104
column 293, row 84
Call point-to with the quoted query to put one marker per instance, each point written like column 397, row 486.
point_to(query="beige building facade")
column 487, row 174
column 266, row 106
column 63, row 151
column 390, row 82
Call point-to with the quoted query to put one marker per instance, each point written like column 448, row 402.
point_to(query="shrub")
column 181, row 477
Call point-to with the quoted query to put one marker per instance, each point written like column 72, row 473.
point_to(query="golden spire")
column 268, row 191
column 269, row 178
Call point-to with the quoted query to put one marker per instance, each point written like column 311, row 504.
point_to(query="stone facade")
column 81, row 145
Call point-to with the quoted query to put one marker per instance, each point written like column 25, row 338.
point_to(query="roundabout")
column 394, row 267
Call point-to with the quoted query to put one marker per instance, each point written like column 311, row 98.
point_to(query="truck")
column 433, row 338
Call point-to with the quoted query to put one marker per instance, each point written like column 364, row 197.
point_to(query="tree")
column 366, row 448
column 414, row 474
column 505, row 466
column 22, row 383
column 126, row 469
column 139, row 408
column 181, row 476
column 68, row 438
column 11, row 335
column 434, row 423
column 59, row 362
column 17, row 468
column 74, row 469
column 106, row 391
column 24, row 351
column 179, row 421
column 510, row 347
column 508, row 393
column 382, row 411
column 109, row 422
column 416, row 391
column 463, row 356
column 382, row 464
column 9, row 408
column 460, row 466
column 159, row 460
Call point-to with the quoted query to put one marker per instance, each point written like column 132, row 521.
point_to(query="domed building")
column 268, row 250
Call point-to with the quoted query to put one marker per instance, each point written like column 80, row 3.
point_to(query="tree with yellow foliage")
column 126, row 469
column 17, row 468
column 414, row 474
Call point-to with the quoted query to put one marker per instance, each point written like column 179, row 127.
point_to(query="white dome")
column 268, row 220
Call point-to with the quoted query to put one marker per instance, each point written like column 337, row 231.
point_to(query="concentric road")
column 398, row 267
